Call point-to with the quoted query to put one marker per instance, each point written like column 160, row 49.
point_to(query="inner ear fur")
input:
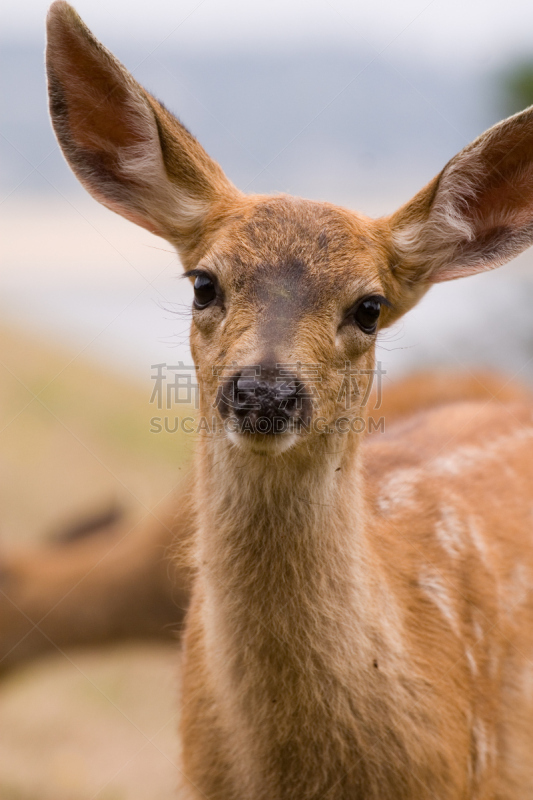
column 475, row 215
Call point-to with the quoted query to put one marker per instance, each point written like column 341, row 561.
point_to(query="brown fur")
column 360, row 626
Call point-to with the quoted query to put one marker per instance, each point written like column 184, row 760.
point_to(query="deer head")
column 280, row 281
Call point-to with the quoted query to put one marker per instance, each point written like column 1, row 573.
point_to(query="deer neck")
column 296, row 617
column 286, row 540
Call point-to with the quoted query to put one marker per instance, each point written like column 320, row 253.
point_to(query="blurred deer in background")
column 360, row 621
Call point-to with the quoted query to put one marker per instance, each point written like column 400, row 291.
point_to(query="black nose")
column 265, row 400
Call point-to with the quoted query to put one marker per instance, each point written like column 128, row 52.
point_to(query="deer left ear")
column 475, row 215
column 128, row 151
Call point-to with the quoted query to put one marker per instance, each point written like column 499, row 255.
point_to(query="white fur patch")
column 436, row 590
column 398, row 490
column 478, row 541
column 478, row 631
column 527, row 681
column 263, row 445
column 399, row 487
column 482, row 747
column 472, row 664
column 517, row 590
column 450, row 531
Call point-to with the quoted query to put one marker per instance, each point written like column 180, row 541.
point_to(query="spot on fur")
column 435, row 589
column 450, row 531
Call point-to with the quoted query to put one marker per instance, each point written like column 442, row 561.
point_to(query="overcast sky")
column 483, row 32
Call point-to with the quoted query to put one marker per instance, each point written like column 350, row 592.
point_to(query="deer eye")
column 366, row 313
column 205, row 291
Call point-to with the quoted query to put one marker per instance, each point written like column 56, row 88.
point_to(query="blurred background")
column 359, row 104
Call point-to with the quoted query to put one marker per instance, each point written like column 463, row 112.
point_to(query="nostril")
column 246, row 385
column 246, row 395
column 291, row 403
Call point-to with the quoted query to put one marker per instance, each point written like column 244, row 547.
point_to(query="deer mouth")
column 271, row 444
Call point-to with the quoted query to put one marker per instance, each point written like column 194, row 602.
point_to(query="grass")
column 74, row 437
column 86, row 725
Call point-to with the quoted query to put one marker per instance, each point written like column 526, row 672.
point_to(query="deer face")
column 287, row 307
column 289, row 294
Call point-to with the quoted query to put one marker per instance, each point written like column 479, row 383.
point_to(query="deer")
column 360, row 614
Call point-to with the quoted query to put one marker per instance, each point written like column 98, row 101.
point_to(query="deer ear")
column 127, row 150
column 476, row 215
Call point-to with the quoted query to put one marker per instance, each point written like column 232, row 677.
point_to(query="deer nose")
column 265, row 401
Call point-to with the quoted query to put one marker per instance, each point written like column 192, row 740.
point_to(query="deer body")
column 351, row 639
column 361, row 620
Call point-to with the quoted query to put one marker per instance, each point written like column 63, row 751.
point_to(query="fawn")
column 361, row 618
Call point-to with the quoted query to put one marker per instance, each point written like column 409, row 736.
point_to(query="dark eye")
column 205, row 291
column 366, row 314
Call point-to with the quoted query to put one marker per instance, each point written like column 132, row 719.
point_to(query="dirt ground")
column 82, row 725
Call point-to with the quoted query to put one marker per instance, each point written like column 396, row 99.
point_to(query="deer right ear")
column 474, row 216
column 127, row 150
